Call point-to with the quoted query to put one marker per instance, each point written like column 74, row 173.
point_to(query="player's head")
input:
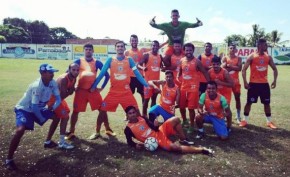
column 262, row 45
column 89, row 50
column 155, row 47
column 120, row 47
column 177, row 46
column 232, row 48
column 188, row 50
column 216, row 63
column 169, row 77
column 73, row 70
column 131, row 112
column 174, row 15
column 208, row 48
column 47, row 72
column 134, row 40
column 211, row 87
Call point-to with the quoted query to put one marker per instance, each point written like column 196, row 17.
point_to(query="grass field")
column 252, row 151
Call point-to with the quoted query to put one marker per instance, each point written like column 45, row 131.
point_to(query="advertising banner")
column 281, row 55
column 18, row 50
column 100, row 52
column 54, row 51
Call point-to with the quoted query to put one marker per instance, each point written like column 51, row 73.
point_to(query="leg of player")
column 192, row 119
column 145, row 107
column 9, row 163
column 176, row 124
column 153, row 99
column 267, row 110
column 62, row 143
column 247, row 110
column 73, row 122
column 183, row 116
column 238, row 106
column 48, row 142
column 199, row 120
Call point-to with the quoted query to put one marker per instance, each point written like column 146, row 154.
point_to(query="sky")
column 118, row 19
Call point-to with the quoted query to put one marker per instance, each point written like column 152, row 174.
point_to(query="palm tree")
column 275, row 37
column 257, row 34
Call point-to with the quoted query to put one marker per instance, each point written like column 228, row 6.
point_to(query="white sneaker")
column 65, row 145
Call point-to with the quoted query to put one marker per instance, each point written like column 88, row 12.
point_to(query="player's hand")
column 199, row 22
column 273, row 85
column 176, row 106
column 156, row 123
column 152, row 22
column 246, row 85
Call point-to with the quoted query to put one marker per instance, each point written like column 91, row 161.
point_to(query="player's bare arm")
column 202, row 70
column 275, row 72
column 244, row 71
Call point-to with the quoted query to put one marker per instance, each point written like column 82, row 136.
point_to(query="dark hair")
column 71, row 65
column 155, row 41
column 232, row 44
column 118, row 42
column 129, row 108
column 89, row 45
column 133, row 36
column 188, row 45
column 261, row 40
column 212, row 83
column 169, row 72
column 176, row 42
column 216, row 59
column 174, row 11
column 208, row 44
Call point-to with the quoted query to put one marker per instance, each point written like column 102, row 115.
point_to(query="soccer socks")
column 61, row 139
column 238, row 113
column 268, row 119
column 247, row 118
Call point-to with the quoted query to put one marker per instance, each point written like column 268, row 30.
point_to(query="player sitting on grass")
column 141, row 128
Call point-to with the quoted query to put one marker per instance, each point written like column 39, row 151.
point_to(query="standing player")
column 233, row 64
column 31, row 108
column 66, row 84
column 152, row 65
column 189, row 90
column 83, row 95
column 173, row 62
column 175, row 30
column 169, row 99
column 259, row 86
column 212, row 109
column 136, row 55
column 119, row 93
column 205, row 59
column 141, row 128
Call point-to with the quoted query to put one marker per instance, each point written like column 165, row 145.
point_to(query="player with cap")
column 31, row 108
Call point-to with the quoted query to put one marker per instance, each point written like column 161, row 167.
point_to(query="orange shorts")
column 62, row 111
column 189, row 99
column 113, row 99
column 83, row 97
column 148, row 92
column 165, row 130
column 236, row 88
column 226, row 92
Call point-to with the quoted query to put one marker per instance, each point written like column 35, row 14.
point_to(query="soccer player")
column 169, row 99
column 136, row 54
column 259, row 86
column 233, row 64
column 212, row 109
column 141, row 128
column 189, row 90
column 31, row 108
column 172, row 63
column 175, row 30
column 83, row 95
column 205, row 59
column 66, row 84
column 151, row 65
column 120, row 92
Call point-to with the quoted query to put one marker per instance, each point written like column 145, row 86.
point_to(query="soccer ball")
column 151, row 144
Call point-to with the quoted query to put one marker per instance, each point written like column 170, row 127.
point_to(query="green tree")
column 237, row 39
column 274, row 37
column 2, row 39
column 257, row 34
column 14, row 34
column 59, row 35
column 39, row 32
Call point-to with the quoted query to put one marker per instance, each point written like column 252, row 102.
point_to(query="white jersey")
column 37, row 93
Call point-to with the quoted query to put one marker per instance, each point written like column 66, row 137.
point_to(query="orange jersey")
column 214, row 107
column 141, row 130
column 167, row 99
column 87, row 74
column 259, row 68
column 190, row 75
column 120, row 75
column 220, row 76
column 153, row 67
column 234, row 74
column 136, row 55
column 206, row 63
column 175, row 61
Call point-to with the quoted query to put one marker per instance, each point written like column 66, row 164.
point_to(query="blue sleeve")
column 137, row 73
column 99, row 65
column 36, row 111
column 104, row 70
column 57, row 102
column 78, row 61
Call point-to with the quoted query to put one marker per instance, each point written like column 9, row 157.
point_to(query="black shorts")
column 261, row 90
column 134, row 83
column 202, row 87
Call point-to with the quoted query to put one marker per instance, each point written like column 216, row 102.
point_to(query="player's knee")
column 175, row 147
